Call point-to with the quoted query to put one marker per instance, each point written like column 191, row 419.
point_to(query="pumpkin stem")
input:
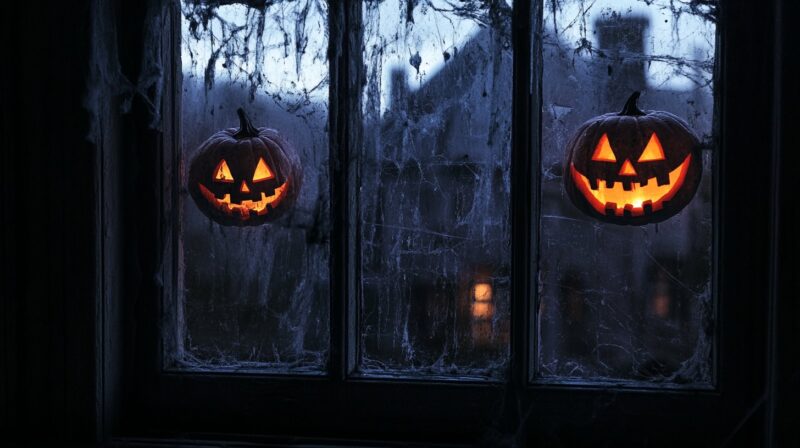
column 246, row 129
column 630, row 107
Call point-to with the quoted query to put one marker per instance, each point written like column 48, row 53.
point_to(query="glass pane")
column 620, row 302
column 434, row 196
column 255, row 296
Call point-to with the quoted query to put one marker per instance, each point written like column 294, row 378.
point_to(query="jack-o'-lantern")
column 246, row 176
column 633, row 167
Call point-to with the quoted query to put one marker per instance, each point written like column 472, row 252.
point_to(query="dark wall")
column 48, row 221
column 784, row 348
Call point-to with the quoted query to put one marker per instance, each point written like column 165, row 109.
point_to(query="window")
column 434, row 189
column 255, row 297
column 432, row 265
column 433, row 239
column 621, row 302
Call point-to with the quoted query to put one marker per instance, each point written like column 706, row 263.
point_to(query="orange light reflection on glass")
column 661, row 305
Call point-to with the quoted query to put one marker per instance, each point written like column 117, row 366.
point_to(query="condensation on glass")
column 625, row 303
column 255, row 297
column 434, row 189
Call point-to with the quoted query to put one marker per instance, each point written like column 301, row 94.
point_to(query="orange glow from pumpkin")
column 627, row 169
column 653, row 151
column 635, row 200
column 482, row 292
column 262, row 171
column 247, row 206
column 603, row 151
column 222, row 173
column 244, row 188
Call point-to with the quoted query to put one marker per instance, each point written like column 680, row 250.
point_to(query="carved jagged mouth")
column 636, row 201
column 247, row 206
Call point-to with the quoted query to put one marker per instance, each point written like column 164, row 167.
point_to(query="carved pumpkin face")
column 633, row 167
column 244, row 177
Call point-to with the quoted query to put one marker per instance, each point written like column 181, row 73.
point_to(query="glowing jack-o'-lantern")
column 633, row 167
column 246, row 176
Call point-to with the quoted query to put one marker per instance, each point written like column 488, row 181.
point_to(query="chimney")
column 622, row 41
column 399, row 88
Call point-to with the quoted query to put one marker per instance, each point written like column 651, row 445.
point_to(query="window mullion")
column 534, row 164
column 521, row 189
column 345, row 73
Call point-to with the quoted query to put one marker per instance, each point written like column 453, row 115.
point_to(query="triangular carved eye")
column 262, row 171
column 653, row 151
column 222, row 173
column 603, row 151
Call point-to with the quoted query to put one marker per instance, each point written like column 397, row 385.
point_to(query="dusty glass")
column 624, row 303
column 434, row 190
column 255, row 297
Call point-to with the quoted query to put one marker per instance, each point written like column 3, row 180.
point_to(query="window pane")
column 255, row 297
column 434, row 196
column 625, row 302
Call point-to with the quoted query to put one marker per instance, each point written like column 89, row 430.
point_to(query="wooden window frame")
column 139, row 400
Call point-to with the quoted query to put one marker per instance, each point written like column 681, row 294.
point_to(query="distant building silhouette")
column 427, row 139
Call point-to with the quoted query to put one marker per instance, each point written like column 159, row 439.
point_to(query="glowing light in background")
column 482, row 306
column 482, row 292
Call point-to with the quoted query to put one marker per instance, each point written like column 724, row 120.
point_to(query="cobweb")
column 619, row 303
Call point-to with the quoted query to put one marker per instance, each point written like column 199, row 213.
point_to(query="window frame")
column 140, row 399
